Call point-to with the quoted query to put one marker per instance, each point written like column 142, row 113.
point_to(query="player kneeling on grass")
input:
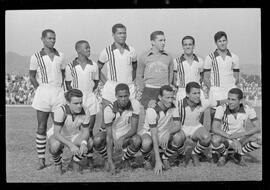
column 162, row 131
column 121, row 120
column 230, row 129
column 71, row 128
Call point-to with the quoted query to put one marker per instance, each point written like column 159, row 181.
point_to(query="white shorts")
column 146, row 131
column 47, row 98
column 108, row 91
column 181, row 93
column 219, row 93
column 190, row 130
column 70, row 138
column 90, row 102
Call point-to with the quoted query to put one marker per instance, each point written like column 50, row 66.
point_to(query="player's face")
column 233, row 101
column 85, row 49
column 120, row 35
column 159, row 42
column 167, row 98
column 75, row 104
column 188, row 46
column 49, row 40
column 122, row 97
column 222, row 43
column 194, row 95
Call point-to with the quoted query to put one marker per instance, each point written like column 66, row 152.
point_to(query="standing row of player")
column 155, row 78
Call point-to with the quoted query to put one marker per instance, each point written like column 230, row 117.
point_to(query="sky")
column 242, row 25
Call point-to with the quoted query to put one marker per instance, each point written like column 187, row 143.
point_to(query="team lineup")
column 171, row 96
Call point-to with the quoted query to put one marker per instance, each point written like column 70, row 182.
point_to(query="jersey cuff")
column 133, row 62
column 58, row 123
column 108, row 124
column 254, row 119
column 152, row 125
column 216, row 119
column 135, row 115
column 99, row 62
column 205, row 70
column 236, row 70
column 85, row 125
column 176, row 119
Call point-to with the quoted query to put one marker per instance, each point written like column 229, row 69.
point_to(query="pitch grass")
column 21, row 160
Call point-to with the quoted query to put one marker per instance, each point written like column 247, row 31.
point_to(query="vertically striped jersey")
column 121, row 117
column 230, row 123
column 222, row 70
column 187, row 72
column 119, row 66
column 48, row 71
column 82, row 79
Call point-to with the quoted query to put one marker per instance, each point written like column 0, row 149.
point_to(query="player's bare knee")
column 136, row 141
column 216, row 140
column 42, row 128
column 147, row 142
column 90, row 143
column 205, row 138
column 54, row 146
column 179, row 138
column 99, row 140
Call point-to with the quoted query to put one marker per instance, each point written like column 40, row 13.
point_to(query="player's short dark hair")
column 78, row 44
column 154, row 34
column 219, row 35
column 191, row 85
column 121, row 86
column 165, row 87
column 237, row 91
column 118, row 25
column 188, row 38
column 73, row 93
column 44, row 32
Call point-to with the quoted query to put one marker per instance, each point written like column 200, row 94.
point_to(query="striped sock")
column 103, row 152
column 170, row 150
column 129, row 153
column 198, row 149
column 181, row 150
column 41, row 145
column 221, row 149
column 77, row 158
column 250, row 146
column 146, row 155
column 57, row 159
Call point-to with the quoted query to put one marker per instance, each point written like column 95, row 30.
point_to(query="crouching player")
column 229, row 128
column 161, row 131
column 121, row 121
column 70, row 128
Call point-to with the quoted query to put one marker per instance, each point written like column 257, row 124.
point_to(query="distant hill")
column 19, row 64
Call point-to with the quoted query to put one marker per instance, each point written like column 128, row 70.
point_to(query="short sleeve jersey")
column 187, row 72
column 82, row 79
column 222, row 70
column 230, row 123
column 70, row 123
column 161, row 119
column 48, row 71
column 119, row 65
column 121, row 119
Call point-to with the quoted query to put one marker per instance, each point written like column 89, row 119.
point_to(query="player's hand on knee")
column 83, row 149
column 75, row 150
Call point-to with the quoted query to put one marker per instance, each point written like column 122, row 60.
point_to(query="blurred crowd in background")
column 19, row 90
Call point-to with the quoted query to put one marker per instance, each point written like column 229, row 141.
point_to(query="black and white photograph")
column 133, row 95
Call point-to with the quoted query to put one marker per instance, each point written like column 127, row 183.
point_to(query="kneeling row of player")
column 167, row 126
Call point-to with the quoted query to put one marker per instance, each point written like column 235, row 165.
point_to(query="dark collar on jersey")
column 68, row 111
column 125, row 46
column 117, row 108
column 151, row 52
column 158, row 108
column 240, row 110
column 187, row 103
column 42, row 52
column 75, row 62
column 195, row 58
column 217, row 54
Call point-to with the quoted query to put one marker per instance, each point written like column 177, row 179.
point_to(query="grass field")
column 21, row 158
